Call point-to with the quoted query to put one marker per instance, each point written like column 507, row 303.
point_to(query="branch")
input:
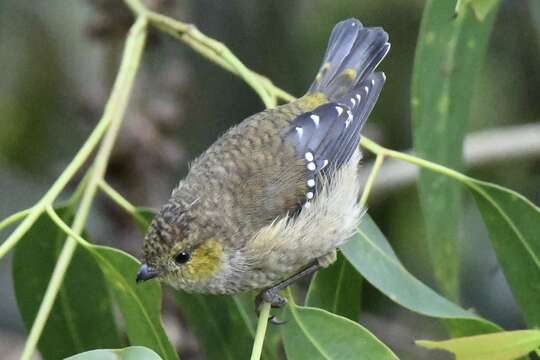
column 115, row 109
column 483, row 148
column 212, row 50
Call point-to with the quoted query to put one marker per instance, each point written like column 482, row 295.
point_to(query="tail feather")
column 352, row 54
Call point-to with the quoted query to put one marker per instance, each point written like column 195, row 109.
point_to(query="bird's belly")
column 288, row 245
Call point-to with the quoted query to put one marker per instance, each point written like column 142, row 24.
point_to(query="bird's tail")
column 352, row 54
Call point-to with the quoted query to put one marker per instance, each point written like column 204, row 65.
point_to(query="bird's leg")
column 272, row 296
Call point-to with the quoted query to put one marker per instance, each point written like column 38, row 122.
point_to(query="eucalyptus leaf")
column 337, row 289
column 481, row 8
column 370, row 253
column 129, row 353
column 312, row 333
column 448, row 55
column 224, row 325
column 500, row 346
column 513, row 224
column 140, row 305
column 81, row 318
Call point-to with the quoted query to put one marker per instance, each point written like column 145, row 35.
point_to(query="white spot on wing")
column 311, row 166
column 358, row 97
column 299, row 130
column 309, row 195
column 349, row 118
column 372, row 82
column 307, row 205
column 366, row 89
column 309, row 156
column 339, row 110
column 325, row 162
column 353, row 102
column 311, row 183
column 315, row 119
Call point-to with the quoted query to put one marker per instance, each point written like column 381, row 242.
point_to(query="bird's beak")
column 145, row 273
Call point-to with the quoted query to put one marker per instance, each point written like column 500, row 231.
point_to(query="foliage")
column 68, row 288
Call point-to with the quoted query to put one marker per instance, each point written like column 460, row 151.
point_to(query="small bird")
column 271, row 200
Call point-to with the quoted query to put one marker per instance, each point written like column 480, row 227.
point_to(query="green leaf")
column 224, row 325
column 370, row 253
column 448, row 57
column 81, row 318
column 129, row 353
column 312, row 333
column 481, row 8
column 513, row 223
column 337, row 289
column 140, row 305
column 501, row 346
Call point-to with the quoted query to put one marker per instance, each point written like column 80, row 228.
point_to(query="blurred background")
column 58, row 60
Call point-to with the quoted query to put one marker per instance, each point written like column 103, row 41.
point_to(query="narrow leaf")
column 370, row 253
column 501, row 346
column 140, row 305
column 312, row 333
column 224, row 325
column 81, row 318
column 513, row 223
column 449, row 53
column 337, row 289
column 129, row 353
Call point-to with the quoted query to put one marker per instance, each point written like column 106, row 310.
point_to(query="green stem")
column 116, row 197
column 378, row 149
column 57, row 187
column 371, row 179
column 79, row 191
column 211, row 49
column 65, row 227
column 18, row 216
column 114, row 110
column 262, row 324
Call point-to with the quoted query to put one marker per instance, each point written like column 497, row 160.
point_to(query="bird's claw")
column 274, row 299
column 274, row 320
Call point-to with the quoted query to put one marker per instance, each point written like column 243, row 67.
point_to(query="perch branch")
column 115, row 109
column 483, row 148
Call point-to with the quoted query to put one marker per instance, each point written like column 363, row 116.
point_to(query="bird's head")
column 177, row 251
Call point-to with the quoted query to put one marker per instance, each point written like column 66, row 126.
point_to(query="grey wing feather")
column 327, row 137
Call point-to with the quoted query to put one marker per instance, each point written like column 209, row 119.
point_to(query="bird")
column 272, row 199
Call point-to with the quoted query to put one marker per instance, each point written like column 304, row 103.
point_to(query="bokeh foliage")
column 511, row 221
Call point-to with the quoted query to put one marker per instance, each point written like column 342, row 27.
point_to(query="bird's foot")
column 272, row 297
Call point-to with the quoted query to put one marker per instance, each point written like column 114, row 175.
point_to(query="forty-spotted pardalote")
column 273, row 197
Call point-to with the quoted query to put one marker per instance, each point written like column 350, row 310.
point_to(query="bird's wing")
column 327, row 137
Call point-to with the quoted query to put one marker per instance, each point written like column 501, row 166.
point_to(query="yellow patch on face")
column 205, row 261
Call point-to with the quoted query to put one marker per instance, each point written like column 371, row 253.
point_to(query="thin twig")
column 13, row 218
column 116, row 197
column 483, row 148
column 212, row 50
column 65, row 227
column 261, row 331
column 378, row 149
column 371, row 179
column 115, row 109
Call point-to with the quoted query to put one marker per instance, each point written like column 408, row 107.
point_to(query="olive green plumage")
column 278, row 190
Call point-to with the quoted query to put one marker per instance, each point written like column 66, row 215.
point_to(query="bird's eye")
column 182, row 257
